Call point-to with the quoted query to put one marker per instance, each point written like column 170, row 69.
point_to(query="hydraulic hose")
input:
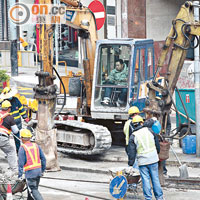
column 64, row 93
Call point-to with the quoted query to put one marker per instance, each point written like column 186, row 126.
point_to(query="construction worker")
column 17, row 110
column 133, row 111
column 8, row 125
column 32, row 161
column 144, row 145
column 129, row 126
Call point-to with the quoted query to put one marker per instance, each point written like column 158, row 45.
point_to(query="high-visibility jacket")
column 145, row 141
column 3, row 129
column 126, row 130
column 32, row 156
column 17, row 110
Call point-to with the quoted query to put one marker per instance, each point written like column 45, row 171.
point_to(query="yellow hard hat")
column 8, row 93
column 137, row 119
column 6, row 104
column 6, row 90
column 133, row 110
column 25, row 133
column 25, row 44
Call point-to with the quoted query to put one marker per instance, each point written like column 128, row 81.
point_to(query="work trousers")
column 122, row 95
column 33, row 184
column 9, row 150
column 150, row 173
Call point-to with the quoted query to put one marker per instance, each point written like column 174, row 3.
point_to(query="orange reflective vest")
column 3, row 129
column 32, row 156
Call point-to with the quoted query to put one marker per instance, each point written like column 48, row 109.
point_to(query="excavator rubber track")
column 102, row 138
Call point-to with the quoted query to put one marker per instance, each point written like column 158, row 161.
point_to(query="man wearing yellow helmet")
column 32, row 161
column 129, row 126
column 144, row 145
column 8, row 125
column 133, row 111
column 17, row 109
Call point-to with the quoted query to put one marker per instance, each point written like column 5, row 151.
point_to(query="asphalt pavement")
column 114, row 159
column 82, row 178
column 26, row 78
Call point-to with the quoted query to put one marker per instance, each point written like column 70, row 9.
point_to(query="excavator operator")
column 118, row 76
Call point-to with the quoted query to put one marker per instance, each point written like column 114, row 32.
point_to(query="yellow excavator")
column 183, row 31
column 100, row 124
column 93, row 136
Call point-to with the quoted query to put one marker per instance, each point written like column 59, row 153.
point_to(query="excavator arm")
column 94, row 139
column 83, row 20
column 184, row 29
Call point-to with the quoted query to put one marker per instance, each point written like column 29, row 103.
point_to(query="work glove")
column 27, row 120
column 20, row 179
column 154, row 118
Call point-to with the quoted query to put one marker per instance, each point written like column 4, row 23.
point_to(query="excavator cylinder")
column 71, row 2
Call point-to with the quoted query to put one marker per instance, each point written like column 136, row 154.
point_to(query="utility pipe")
column 197, row 85
column 56, row 37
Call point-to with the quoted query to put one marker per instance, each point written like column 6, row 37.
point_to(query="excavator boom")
column 184, row 29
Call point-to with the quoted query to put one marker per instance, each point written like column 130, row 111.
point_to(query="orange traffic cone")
column 9, row 192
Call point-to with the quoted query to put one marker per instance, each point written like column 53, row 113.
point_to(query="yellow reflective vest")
column 145, row 141
column 126, row 130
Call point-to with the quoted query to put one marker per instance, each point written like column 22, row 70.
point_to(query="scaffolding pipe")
column 197, row 85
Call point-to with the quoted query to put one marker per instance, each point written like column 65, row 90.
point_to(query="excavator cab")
column 115, row 89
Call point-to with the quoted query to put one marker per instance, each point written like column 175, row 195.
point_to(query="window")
column 136, row 75
column 112, row 75
column 150, row 63
column 142, row 64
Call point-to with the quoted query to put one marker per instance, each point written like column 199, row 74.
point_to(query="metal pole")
column 13, row 50
column 13, row 27
column 124, row 18
column 56, row 38
column 13, row 57
column 197, row 86
column 4, row 21
column 2, row 18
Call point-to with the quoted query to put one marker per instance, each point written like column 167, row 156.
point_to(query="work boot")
column 120, row 103
column 106, row 101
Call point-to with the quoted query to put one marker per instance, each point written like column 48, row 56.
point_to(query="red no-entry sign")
column 99, row 11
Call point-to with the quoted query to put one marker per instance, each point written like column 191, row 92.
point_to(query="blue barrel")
column 189, row 144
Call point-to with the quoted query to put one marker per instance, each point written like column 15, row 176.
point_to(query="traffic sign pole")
column 118, row 174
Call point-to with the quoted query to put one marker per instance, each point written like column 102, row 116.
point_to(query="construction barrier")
column 25, row 58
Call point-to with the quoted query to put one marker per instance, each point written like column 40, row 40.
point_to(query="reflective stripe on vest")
column 145, row 141
column 32, row 156
column 3, row 129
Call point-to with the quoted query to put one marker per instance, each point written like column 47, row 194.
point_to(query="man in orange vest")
column 8, row 125
column 32, row 161
column 17, row 110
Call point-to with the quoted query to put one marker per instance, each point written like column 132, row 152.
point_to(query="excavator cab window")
column 112, row 75
column 143, row 71
column 150, row 63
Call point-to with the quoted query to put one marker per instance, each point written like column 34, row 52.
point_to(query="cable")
column 78, row 180
column 185, row 35
column 64, row 93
